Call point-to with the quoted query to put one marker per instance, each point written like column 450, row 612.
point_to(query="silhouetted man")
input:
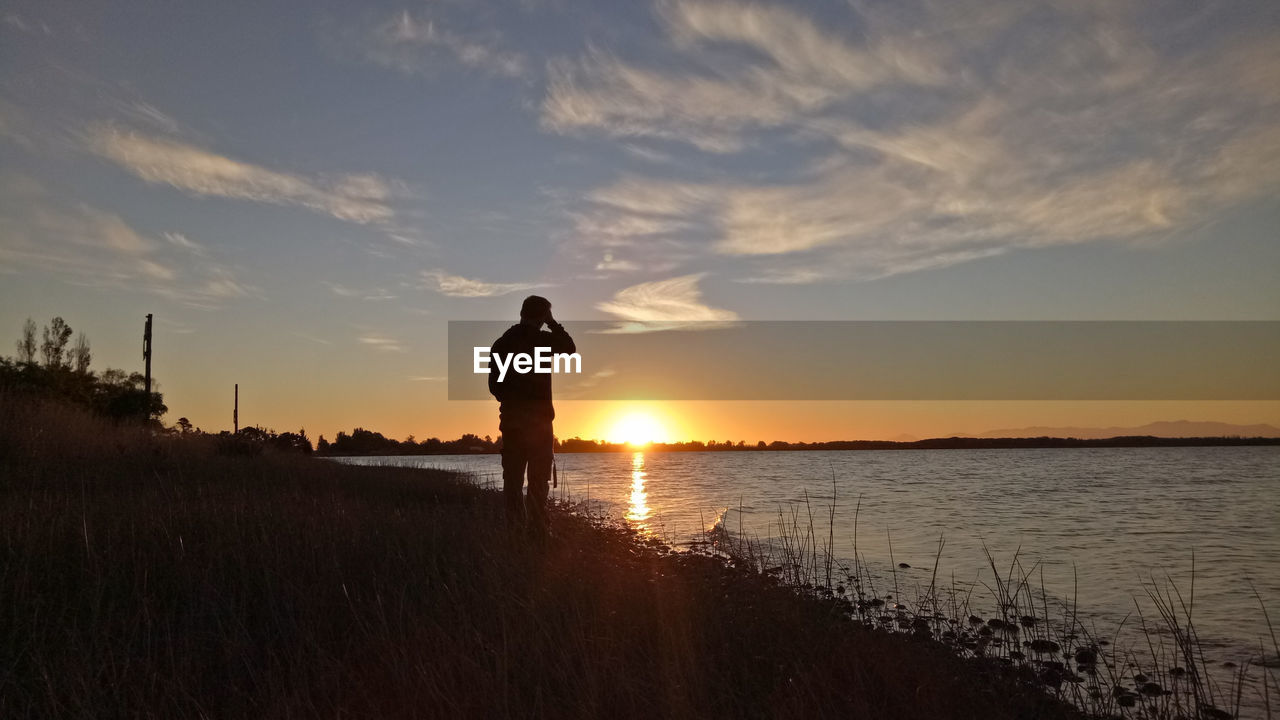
column 526, row 414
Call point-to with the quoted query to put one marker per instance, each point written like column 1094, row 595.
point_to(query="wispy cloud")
column 795, row 68
column 341, row 290
column 312, row 338
column 609, row 263
column 787, row 276
column 145, row 113
column 376, row 294
column 382, row 343
column 427, row 378
column 458, row 286
column 415, row 44
column 17, row 22
column 886, row 154
column 359, row 199
column 92, row 247
column 175, row 327
column 221, row 284
column 177, row 239
column 675, row 300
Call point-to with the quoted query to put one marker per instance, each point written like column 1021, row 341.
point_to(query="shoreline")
column 576, row 446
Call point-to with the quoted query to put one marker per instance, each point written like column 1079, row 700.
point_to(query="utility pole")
column 146, row 355
column 235, row 413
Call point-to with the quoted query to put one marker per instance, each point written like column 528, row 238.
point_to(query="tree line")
column 49, row 365
column 368, row 442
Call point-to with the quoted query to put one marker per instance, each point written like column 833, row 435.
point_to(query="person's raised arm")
column 560, row 340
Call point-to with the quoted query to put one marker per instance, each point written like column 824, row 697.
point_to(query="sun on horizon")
column 636, row 428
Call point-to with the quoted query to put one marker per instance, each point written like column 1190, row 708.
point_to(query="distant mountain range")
column 1165, row 429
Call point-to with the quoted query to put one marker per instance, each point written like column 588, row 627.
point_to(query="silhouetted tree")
column 254, row 434
column 121, row 395
column 292, row 442
column 53, row 349
column 27, row 343
column 80, row 355
column 367, row 442
column 63, row 373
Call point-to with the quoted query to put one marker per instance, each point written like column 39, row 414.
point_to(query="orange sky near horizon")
column 404, row 393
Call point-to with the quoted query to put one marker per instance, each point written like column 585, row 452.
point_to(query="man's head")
column 535, row 309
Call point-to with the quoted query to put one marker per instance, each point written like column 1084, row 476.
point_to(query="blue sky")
column 304, row 193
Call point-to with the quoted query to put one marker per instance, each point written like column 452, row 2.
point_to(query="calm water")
column 1111, row 518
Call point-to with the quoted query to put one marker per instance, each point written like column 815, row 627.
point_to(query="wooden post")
column 235, row 414
column 146, row 355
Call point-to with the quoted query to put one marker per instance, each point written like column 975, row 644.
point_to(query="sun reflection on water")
column 638, row 511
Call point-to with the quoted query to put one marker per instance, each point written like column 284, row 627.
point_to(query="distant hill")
column 1165, row 429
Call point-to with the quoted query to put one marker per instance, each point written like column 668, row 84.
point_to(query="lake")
column 1094, row 523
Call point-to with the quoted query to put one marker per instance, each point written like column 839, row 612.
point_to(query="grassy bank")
column 155, row 577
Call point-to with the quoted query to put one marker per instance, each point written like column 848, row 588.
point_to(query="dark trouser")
column 526, row 444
